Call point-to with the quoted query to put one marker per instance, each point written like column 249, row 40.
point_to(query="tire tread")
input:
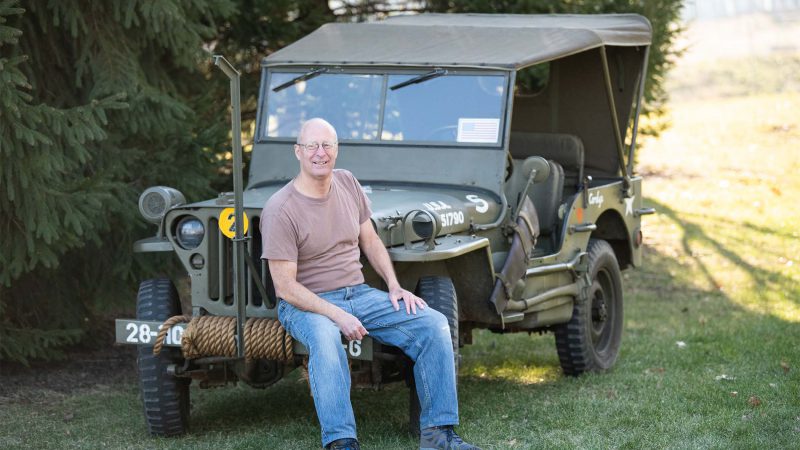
column 572, row 342
column 440, row 294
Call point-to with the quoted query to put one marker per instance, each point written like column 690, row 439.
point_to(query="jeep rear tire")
column 590, row 340
column 165, row 397
column 440, row 294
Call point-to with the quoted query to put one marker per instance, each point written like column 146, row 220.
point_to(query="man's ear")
column 297, row 151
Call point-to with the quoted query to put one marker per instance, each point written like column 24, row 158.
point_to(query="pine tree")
column 99, row 100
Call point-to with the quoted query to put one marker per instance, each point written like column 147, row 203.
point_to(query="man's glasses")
column 313, row 146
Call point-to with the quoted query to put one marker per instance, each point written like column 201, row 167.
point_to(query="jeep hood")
column 456, row 207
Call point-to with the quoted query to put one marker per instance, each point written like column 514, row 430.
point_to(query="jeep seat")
column 546, row 197
column 565, row 149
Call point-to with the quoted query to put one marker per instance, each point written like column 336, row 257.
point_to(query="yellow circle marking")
column 227, row 223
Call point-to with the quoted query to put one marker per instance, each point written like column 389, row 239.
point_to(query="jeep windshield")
column 409, row 107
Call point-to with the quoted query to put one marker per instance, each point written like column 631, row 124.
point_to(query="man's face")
column 315, row 160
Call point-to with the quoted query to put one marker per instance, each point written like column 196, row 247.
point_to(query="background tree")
column 99, row 100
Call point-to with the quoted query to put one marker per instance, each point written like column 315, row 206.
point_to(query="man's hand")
column 350, row 326
column 412, row 301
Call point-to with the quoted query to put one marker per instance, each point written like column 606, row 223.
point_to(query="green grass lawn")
column 710, row 355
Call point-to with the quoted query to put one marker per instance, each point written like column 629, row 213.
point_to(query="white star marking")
column 629, row 205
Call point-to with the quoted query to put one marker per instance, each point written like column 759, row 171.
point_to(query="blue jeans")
column 424, row 337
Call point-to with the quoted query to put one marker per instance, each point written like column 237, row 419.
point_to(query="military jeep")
column 497, row 153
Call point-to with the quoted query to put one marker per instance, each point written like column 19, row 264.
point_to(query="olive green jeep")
column 493, row 151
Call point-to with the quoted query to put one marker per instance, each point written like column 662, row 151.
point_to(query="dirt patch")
column 83, row 370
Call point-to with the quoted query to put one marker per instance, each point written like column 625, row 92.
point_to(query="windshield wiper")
column 419, row 79
column 304, row 77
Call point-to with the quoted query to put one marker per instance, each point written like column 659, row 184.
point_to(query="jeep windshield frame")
column 453, row 108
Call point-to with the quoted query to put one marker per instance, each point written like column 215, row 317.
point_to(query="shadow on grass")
column 512, row 390
column 241, row 407
column 525, row 368
column 287, row 409
column 694, row 235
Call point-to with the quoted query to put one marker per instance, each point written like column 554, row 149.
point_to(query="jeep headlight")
column 157, row 200
column 189, row 232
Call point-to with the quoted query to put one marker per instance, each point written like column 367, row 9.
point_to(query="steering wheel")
column 447, row 131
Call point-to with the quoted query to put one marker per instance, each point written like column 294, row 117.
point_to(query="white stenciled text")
column 141, row 333
column 452, row 218
column 436, row 206
column 353, row 348
column 481, row 205
column 596, row 198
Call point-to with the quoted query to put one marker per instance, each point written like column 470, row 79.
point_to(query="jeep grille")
column 220, row 267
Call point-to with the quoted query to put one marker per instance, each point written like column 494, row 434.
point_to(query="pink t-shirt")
column 320, row 234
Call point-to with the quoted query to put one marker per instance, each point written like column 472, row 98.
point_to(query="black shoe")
column 343, row 444
column 443, row 438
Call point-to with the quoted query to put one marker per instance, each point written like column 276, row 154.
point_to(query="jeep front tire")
column 165, row 397
column 440, row 295
column 590, row 340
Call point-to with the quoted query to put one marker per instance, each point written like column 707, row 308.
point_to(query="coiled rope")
column 216, row 336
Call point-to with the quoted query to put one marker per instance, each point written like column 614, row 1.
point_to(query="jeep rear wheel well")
column 611, row 228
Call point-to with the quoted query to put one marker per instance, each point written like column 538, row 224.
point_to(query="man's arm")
column 284, row 277
column 378, row 257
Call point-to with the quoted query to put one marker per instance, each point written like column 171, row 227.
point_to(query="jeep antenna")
column 239, row 239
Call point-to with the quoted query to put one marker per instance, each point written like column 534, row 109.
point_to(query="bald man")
column 314, row 230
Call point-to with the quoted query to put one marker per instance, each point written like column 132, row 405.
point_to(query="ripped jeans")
column 424, row 337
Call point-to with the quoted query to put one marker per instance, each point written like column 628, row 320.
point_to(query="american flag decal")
column 478, row 130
